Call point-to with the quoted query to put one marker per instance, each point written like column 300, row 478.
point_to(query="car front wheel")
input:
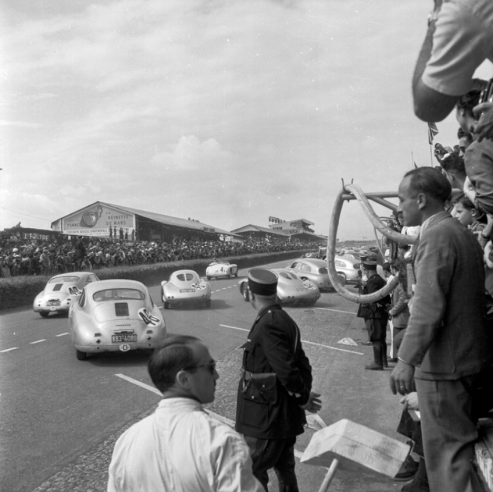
column 80, row 355
column 166, row 305
column 44, row 314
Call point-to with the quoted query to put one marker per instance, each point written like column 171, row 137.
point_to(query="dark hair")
column 454, row 163
column 471, row 99
column 431, row 182
column 464, row 200
column 401, row 266
column 173, row 355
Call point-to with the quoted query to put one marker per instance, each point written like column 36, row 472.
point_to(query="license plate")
column 187, row 290
column 53, row 303
column 123, row 338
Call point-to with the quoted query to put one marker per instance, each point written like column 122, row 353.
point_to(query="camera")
column 439, row 150
column 487, row 93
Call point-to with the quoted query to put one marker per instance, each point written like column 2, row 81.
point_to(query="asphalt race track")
column 59, row 416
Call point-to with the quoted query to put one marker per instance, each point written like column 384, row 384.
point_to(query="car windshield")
column 288, row 275
column 117, row 294
column 57, row 280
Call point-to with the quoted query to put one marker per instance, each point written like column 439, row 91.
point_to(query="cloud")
column 227, row 111
column 23, row 124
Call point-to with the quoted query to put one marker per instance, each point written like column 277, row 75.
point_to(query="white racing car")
column 221, row 269
column 115, row 315
column 185, row 287
column 61, row 291
column 290, row 289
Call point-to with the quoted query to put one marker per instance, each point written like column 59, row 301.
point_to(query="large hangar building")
column 106, row 220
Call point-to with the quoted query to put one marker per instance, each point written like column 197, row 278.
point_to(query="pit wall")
column 21, row 291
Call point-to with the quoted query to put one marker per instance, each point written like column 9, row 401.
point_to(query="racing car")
column 115, row 315
column 185, row 287
column 61, row 291
column 221, row 269
column 290, row 289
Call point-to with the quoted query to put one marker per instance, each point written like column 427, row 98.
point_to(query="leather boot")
column 377, row 364
column 420, row 480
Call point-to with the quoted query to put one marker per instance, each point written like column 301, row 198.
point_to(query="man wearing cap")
column 375, row 315
column 276, row 385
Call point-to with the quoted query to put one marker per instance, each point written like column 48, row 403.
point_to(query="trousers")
column 449, row 432
column 277, row 454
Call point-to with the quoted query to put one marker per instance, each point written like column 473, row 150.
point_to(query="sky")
column 223, row 111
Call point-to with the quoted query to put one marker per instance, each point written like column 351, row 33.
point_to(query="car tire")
column 166, row 305
column 208, row 303
column 44, row 314
column 208, row 278
column 245, row 293
column 80, row 355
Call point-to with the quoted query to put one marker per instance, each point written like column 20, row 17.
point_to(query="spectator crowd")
column 35, row 257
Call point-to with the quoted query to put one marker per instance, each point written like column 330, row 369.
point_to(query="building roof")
column 163, row 219
column 255, row 228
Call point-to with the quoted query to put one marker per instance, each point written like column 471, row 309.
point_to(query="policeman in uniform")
column 275, row 388
column 375, row 315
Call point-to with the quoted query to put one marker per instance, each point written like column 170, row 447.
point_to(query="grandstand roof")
column 163, row 219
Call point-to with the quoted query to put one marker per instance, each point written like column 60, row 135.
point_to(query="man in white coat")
column 180, row 448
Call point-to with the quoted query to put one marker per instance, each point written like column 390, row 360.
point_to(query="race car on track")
column 312, row 269
column 290, row 288
column 221, row 269
column 185, row 287
column 115, row 315
column 61, row 291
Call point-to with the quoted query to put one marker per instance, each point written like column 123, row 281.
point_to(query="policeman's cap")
column 262, row 282
column 370, row 265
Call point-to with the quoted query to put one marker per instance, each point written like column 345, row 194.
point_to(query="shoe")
column 407, row 471
column 367, row 343
column 374, row 367
column 393, row 360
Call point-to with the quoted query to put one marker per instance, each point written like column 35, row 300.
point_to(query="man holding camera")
column 458, row 40
column 275, row 388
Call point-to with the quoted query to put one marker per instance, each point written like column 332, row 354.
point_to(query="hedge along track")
column 354, row 192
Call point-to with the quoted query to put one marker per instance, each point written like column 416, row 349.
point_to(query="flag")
column 432, row 131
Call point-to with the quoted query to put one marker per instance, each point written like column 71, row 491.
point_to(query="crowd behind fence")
column 35, row 257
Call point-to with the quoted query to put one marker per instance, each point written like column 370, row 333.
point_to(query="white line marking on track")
column 336, row 310
column 38, row 341
column 305, row 341
column 216, row 416
column 8, row 350
column 140, row 383
column 62, row 334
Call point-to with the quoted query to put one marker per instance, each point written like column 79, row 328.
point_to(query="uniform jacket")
column 375, row 309
column 274, row 346
column 447, row 337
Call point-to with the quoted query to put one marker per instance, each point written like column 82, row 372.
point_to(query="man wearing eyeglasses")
column 275, row 389
column 180, row 448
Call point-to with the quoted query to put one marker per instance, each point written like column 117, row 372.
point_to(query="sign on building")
column 97, row 221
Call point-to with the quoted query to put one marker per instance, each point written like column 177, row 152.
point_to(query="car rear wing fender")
column 354, row 192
